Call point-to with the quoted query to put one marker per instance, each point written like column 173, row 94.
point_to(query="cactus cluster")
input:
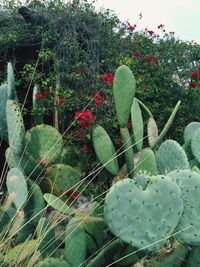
column 157, row 201
column 150, row 217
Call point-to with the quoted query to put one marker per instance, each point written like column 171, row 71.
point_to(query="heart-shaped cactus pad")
column 144, row 218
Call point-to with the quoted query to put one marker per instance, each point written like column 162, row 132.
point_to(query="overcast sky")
column 179, row 16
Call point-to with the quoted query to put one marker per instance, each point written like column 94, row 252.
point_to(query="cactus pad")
column 189, row 130
column 105, row 150
column 17, row 187
column 35, row 205
column 75, row 243
column 11, row 82
column 61, row 178
column 189, row 183
column 124, row 92
column 137, row 125
column 46, row 237
column 57, row 204
column 147, row 163
column 44, row 144
column 24, row 163
column 53, row 262
column 3, row 100
column 152, row 131
column 195, row 145
column 143, row 217
column 171, row 156
column 15, row 125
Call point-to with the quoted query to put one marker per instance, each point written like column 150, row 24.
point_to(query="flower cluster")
column 107, row 78
column 43, row 95
column 131, row 27
column 85, row 119
column 150, row 32
column 152, row 59
column 195, row 75
column 98, row 99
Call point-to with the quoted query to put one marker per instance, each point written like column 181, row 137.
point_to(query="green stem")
column 166, row 127
column 129, row 157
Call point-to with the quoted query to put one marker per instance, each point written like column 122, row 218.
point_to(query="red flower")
column 194, row 84
column 146, row 87
column 150, row 33
column 131, row 27
column 98, row 99
column 40, row 96
column 72, row 193
column 107, row 78
column 136, row 53
column 129, row 125
column 85, row 118
column 142, row 78
column 85, row 149
column 195, row 75
column 46, row 93
column 156, row 61
column 119, row 141
column 150, row 59
column 59, row 100
column 78, row 134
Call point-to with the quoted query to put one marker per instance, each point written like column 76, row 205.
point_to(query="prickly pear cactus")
column 53, row 262
column 173, row 257
column 152, row 131
column 11, row 82
column 15, row 125
column 189, row 183
column 25, row 163
column 75, row 243
column 60, row 178
column 46, row 237
column 59, row 205
column 147, row 163
column 140, row 217
column 124, row 92
column 105, row 150
column 195, row 145
column 44, row 143
column 35, row 205
column 17, row 187
column 137, row 125
column 3, row 100
column 194, row 258
column 171, row 156
column 189, row 131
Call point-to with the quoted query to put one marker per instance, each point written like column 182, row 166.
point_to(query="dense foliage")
column 71, row 51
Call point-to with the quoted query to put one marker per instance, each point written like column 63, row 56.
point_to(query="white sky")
column 179, row 16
